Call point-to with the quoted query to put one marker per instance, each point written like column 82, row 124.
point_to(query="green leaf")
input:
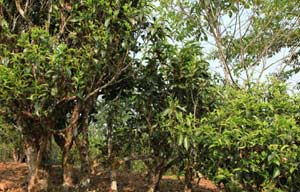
column 186, row 143
column 180, row 139
column 54, row 91
column 107, row 22
column 276, row 173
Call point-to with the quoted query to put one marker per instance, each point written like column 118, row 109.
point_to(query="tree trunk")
column 70, row 134
column 113, row 175
column 15, row 155
column 158, row 173
column 128, row 165
column 82, row 143
column 68, row 180
column 36, row 154
column 188, row 178
column 85, row 168
column 154, row 182
column 67, row 165
column 113, row 179
column 18, row 155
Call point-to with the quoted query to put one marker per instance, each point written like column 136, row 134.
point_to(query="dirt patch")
column 13, row 179
column 203, row 185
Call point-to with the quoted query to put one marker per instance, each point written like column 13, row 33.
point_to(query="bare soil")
column 13, row 179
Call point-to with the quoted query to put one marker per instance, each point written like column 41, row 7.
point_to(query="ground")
column 13, row 179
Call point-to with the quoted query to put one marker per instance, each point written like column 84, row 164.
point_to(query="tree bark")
column 15, row 155
column 35, row 149
column 188, row 178
column 68, row 180
column 161, row 169
column 18, row 155
column 85, row 168
column 70, row 134
column 154, row 182
column 154, row 176
column 113, row 175
column 113, row 179
column 82, row 143
column 67, row 165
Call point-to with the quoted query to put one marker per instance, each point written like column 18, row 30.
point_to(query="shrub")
column 251, row 141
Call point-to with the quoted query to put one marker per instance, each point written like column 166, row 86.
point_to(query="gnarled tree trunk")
column 70, row 134
column 18, row 155
column 155, row 173
column 82, row 143
column 160, row 169
column 36, row 153
column 154, row 181
column 85, row 168
column 67, row 165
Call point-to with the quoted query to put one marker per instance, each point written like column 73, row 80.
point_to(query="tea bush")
column 251, row 141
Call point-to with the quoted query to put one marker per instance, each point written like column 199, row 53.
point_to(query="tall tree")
column 56, row 58
column 167, row 72
column 248, row 39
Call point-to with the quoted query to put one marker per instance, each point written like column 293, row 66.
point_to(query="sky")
column 275, row 62
column 228, row 23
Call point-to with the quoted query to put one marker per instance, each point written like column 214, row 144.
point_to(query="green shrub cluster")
column 251, row 141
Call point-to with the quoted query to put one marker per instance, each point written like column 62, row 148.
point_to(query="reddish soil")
column 13, row 179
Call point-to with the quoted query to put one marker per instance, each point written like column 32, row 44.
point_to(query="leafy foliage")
column 133, row 81
column 252, row 140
